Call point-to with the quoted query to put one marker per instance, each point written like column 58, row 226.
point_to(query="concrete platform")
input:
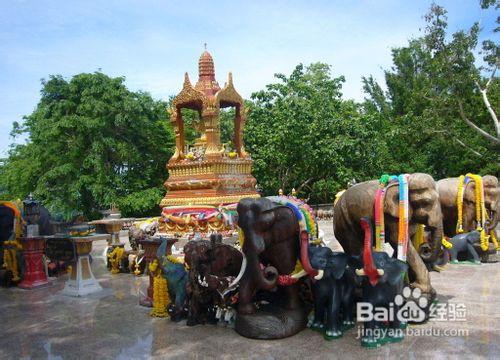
column 43, row 323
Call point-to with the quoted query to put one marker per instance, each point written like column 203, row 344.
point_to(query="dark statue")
column 382, row 279
column 272, row 247
column 213, row 274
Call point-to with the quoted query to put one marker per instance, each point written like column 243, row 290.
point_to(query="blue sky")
column 152, row 43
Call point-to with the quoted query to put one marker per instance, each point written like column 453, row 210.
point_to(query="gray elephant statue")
column 465, row 242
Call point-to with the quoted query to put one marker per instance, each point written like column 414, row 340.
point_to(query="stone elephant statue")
column 214, row 271
column 448, row 189
column 382, row 280
column 424, row 208
column 333, row 291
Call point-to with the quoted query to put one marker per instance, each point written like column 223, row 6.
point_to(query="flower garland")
column 10, row 258
column 115, row 258
column 161, row 297
column 174, row 259
column 480, row 207
column 419, row 236
column 493, row 237
column 446, row 243
column 460, row 202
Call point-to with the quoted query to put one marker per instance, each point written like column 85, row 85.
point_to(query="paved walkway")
column 42, row 323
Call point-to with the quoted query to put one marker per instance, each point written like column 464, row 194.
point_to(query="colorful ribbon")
column 302, row 211
column 403, row 213
column 404, row 217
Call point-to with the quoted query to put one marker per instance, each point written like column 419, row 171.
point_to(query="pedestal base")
column 33, row 284
column 271, row 322
column 81, row 281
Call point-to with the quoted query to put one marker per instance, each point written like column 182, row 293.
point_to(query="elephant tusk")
column 361, row 272
column 320, row 275
column 202, row 282
column 240, row 274
column 300, row 274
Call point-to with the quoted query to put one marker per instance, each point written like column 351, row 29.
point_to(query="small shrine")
column 206, row 175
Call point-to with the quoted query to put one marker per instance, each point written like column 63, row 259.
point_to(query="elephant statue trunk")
column 266, row 278
column 304, row 257
column 369, row 268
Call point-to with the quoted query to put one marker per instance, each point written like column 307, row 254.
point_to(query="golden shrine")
column 207, row 173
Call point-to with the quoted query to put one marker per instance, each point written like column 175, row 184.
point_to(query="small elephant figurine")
column 177, row 278
column 465, row 243
column 333, row 291
column 382, row 279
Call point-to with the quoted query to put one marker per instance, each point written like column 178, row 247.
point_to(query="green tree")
column 91, row 142
column 302, row 135
column 439, row 104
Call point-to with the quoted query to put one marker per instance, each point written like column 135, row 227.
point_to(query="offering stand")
column 34, row 272
column 81, row 281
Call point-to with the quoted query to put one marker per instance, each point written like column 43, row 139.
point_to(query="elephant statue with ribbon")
column 276, row 233
column 398, row 220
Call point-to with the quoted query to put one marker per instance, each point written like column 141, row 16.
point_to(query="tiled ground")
column 44, row 324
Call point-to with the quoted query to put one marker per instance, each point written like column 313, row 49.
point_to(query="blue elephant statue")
column 177, row 278
column 333, row 291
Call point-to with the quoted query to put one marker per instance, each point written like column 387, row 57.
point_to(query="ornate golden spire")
column 206, row 81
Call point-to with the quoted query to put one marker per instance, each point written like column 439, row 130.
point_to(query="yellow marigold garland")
column 115, row 257
column 419, row 236
column 10, row 258
column 493, row 237
column 160, row 292
column 446, row 243
column 480, row 210
column 460, row 202
column 480, row 207
column 174, row 259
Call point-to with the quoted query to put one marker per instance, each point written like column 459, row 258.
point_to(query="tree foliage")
column 300, row 130
column 91, row 142
column 437, row 117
